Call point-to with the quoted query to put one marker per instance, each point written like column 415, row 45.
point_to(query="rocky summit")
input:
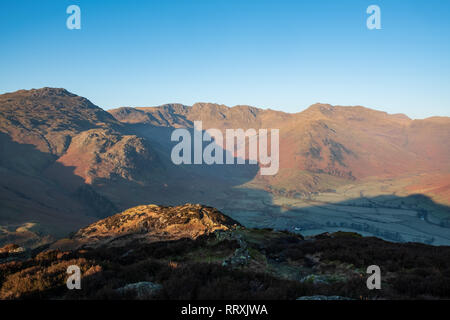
column 151, row 223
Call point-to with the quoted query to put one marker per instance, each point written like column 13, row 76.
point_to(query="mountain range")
column 65, row 163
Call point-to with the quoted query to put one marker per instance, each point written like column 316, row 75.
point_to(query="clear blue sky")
column 282, row 55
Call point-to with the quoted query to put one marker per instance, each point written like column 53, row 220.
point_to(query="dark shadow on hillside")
column 34, row 188
column 175, row 184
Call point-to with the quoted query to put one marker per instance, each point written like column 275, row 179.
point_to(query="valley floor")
column 369, row 208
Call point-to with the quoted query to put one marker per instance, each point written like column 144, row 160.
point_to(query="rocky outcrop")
column 11, row 249
column 140, row 290
column 241, row 255
column 106, row 154
column 152, row 223
column 10, row 252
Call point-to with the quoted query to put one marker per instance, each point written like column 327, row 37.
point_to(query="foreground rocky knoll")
column 151, row 223
column 196, row 252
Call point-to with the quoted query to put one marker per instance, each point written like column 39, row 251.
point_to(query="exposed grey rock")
column 141, row 290
column 313, row 278
column 241, row 255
